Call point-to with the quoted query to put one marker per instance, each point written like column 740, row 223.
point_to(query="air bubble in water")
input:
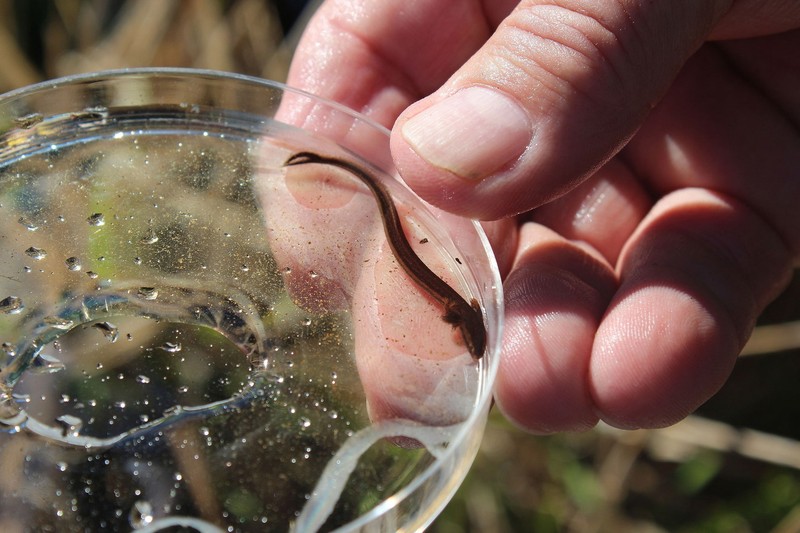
column 149, row 237
column 73, row 263
column 58, row 322
column 141, row 514
column 21, row 398
column 110, row 331
column 70, row 425
column 97, row 112
column 11, row 305
column 144, row 380
column 147, row 293
column 175, row 410
column 36, row 253
column 171, row 347
column 28, row 121
column 96, row 219
column 92, row 274
column 46, row 364
column 9, row 349
column 30, row 226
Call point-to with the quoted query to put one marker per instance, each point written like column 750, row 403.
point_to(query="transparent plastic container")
column 196, row 335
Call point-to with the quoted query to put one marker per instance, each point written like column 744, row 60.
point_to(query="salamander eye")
column 451, row 315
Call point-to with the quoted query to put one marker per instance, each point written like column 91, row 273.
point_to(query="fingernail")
column 473, row 133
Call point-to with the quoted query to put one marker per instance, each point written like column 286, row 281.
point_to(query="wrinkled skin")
column 637, row 163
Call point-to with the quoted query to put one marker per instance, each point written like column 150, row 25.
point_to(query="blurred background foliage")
column 734, row 466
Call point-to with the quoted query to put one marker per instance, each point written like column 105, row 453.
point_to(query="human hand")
column 642, row 158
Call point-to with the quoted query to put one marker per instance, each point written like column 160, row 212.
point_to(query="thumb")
column 553, row 94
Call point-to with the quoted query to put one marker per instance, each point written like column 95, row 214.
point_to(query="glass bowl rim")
column 492, row 356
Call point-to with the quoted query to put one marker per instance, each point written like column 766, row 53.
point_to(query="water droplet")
column 46, row 364
column 62, row 466
column 30, row 226
column 36, row 253
column 305, row 422
column 137, row 260
column 58, row 322
column 26, row 269
column 96, row 219
column 144, row 380
column 21, row 398
column 9, row 349
column 149, row 237
column 73, row 263
column 11, row 305
column 141, row 514
column 92, row 274
column 97, row 112
column 306, row 321
column 171, row 347
column 70, row 425
column 172, row 411
column 147, row 293
column 109, row 330
column 245, row 268
column 183, row 389
column 28, row 121
column 120, row 405
column 313, row 274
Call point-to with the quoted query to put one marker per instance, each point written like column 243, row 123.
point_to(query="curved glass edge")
column 491, row 294
column 471, row 429
column 183, row 72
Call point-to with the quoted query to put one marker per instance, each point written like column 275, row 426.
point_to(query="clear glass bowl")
column 196, row 335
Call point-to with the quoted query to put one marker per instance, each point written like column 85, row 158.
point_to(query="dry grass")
column 76, row 36
column 733, row 467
